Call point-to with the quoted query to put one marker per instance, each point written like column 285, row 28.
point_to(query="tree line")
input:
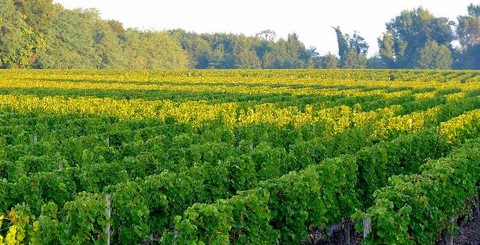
column 40, row 34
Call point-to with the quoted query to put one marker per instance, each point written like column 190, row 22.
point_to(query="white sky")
column 310, row 19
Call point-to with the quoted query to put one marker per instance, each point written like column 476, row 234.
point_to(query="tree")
column 108, row 40
column 221, row 50
column 217, row 57
column 354, row 60
column 244, row 53
column 376, row 62
column 269, row 60
column 117, row 27
column 41, row 34
column 352, row 50
column 248, row 59
column 153, row 50
column 468, row 29
column 408, row 33
column 297, row 54
column 311, row 58
column 358, row 43
column 17, row 39
column 357, row 55
column 39, row 16
column 343, row 46
column 434, row 56
column 386, row 46
column 329, row 61
column 70, row 41
column 468, row 33
column 264, row 49
column 197, row 48
column 469, row 58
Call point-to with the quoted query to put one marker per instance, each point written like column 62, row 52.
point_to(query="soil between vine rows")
column 469, row 234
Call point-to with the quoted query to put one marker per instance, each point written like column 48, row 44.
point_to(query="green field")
column 235, row 156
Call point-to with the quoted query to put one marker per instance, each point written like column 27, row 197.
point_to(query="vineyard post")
column 107, row 141
column 60, row 165
column 477, row 204
column 346, row 224
column 108, row 212
column 367, row 226
column 35, row 139
column 448, row 236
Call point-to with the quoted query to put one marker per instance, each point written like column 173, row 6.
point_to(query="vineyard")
column 237, row 156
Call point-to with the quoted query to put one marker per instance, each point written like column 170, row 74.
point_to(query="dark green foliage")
column 409, row 33
column 433, row 56
column 468, row 33
column 84, row 219
column 17, row 40
column 212, row 182
column 221, row 50
column 352, row 50
column 412, row 209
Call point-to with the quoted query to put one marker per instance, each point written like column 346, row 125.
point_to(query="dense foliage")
column 234, row 157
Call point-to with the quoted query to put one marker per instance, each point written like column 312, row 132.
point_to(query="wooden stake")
column 346, row 229
column 477, row 205
column 108, row 212
column 367, row 226
column 448, row 236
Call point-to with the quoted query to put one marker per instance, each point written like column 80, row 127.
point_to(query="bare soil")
column 469, row 233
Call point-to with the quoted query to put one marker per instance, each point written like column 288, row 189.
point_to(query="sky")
column 312, row 20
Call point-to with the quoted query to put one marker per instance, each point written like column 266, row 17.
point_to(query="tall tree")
column 221, row 50
column 17, row 39
column 108, row 45
column 354, row 60
column 468, row 29
column 352, row 50
column 41, row 34
column 358, row 43
column 376, row 62
column 409, row 32
column 468, row 58
column 244, row 52
column 39, row 15
column 153, row 50
column 357, row 55
column 297, row 54
column 264, row 49
column 329, row 61
column 197, row 48
column 387, row 46
column 70, row 40
column 343, row 46
column 434, row 56
column 468, row 33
